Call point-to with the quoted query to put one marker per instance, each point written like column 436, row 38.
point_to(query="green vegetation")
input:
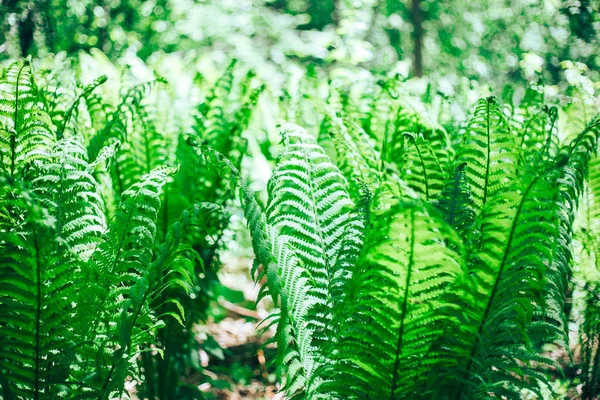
column 417, row 183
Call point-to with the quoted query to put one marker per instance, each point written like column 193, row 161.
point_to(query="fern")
column 409, row 252
column 355, row 155
column 124, row 257
column 62, row 339
column 84, row 94
column 221, row 124
column 283, row 270
column 394, row 310
column 421, row 168
column 25, row 130
column 36, row 294
column 507, row 271
column 489, row 151
column 175, row 265
column 69, row 190
column 590, row 325
column 309, row 208
column 117, row 124
column 456, row 203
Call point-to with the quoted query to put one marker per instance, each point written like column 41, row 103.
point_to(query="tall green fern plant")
column 76, row 290
column 449, row 295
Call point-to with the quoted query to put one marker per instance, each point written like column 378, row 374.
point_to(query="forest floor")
column 236, row 361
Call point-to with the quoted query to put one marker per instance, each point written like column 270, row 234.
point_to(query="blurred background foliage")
column 493, row 40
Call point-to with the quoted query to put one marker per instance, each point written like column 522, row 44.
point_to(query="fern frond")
column 295, row 332
column 489, row 151
column 539, row 136
column 456, row 203
column 25, row 129
column 120, row 270
column 395, row 308
column 69, row 190
column 508, row 267
column 298, row 244
column 84, row 94
column 213, row 110
column 355, row 154
column 589, row 329
column 308, row 200
column 310, row 207
column 36, row 302
column 576, row 157
column 421, row 169
column 120, row 119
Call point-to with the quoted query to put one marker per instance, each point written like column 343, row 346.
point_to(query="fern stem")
column 118, row 174
column 524, row 134
column 546, row 148
column 147, row 153
column 61, row 191
column 61, row 132
column 404, row 303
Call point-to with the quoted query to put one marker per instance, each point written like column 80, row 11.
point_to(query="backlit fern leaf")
column 298, row 244
column 421, row 169
column 355, row 155
column 295, row 333
column 127, row 245
column 308, row 201
column 70, row 192
column 310, row 208
column 25, row 130
column 288, row 282
column 36, row 295
column 395, row 309
column 507, row 268
column 120, row 272
column 456, row 203
column 489, row 151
